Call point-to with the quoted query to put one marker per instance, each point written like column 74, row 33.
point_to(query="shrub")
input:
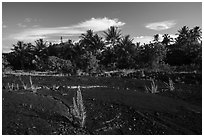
column 157, row 55
column 5, row 64
column 162, row 67
column 59, row 65
column 40, row 64
column 92, row 64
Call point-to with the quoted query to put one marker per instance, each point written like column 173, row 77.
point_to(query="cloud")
column 6, row 48
column 28, row 20
column 21, row 25
column 161, row 25
column 143, row 39
column 35, row 26
column 4, row 26
column 147, row 39
column 100, row 24
column 96, row 24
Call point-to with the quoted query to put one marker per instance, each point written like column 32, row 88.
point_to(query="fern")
column 9, row 87
column 153, row 88
column 170, row 85
column 75, row 109
column 12, row 86
column 32, row 86
column 78, row 108
column 24, row 85
column 17, row 87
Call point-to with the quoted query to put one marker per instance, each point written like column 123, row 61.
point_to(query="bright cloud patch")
column 161, row 25
column 147, row 39
column 96, row 24
column 21, row 25
column 143, row 39
column 100, row 24
column 4, row 26
column 28, row 20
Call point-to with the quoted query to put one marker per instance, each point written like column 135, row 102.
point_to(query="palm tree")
column 183, row 31
column 113, row 35
column 126, row 43
column 89, row 33
column 187, row 36
column 196, row 34
column 86, row 37
column 41, row 48
column 126, row 40
column 67, row 50
column 166, row 39
column 22, row 52
column 125, row 52
column 183, row 38
column 195, row 42
column 92, row 42
column 156, row 38
column 40, row 45
column 41, row 54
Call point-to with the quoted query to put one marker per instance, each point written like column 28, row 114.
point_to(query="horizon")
column 29, row 21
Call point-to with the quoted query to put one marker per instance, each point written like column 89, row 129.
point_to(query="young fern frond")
column 75, row 109
column 12, row 86
column 9, row 87
column 170, row 85
column 153, row 88
column 31, row 82
column 17, row 86
column 32, row 86
column 78, row 108
column 24, row 86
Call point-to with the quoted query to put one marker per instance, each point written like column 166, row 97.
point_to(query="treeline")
column 93, row 53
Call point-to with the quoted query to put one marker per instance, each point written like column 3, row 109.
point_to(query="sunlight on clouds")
column 6, row 48
column 147, row 39
column 161, row 25
column 143, row 39
column 96, row 24
column 100, row 24
column 35, row 26
column 28, row 20
column 4, row 26
column 21, row 25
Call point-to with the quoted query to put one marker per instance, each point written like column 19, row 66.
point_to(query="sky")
column 50, row 20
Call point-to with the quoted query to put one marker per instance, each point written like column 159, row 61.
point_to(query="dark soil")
column 121, row 108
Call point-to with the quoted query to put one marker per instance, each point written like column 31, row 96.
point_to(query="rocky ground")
column 122, row 107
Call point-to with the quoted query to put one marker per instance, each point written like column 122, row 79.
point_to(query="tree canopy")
column 109, row 52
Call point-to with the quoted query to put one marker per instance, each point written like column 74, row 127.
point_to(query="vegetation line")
column 95, row 54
